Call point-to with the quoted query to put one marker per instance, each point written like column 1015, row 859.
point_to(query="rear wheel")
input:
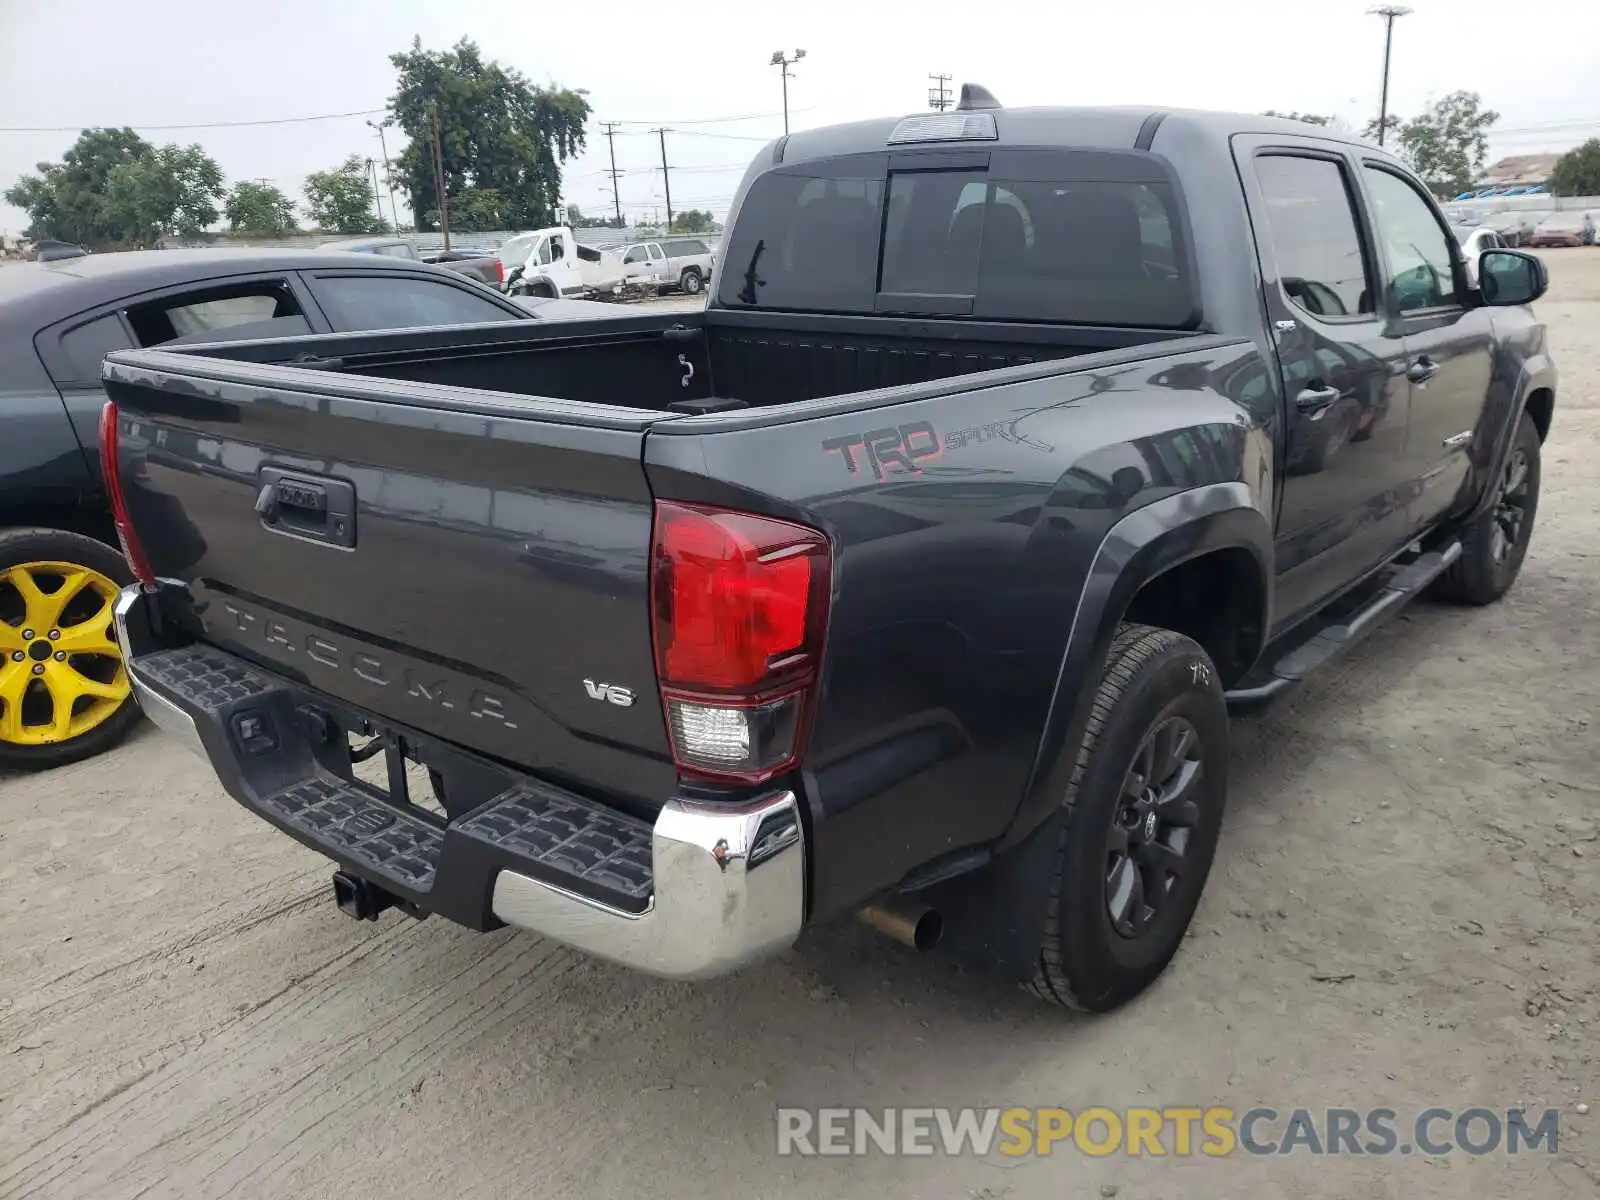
column 1495, row 544
column 1144, row 809
column 691, row 282
column 64, row 694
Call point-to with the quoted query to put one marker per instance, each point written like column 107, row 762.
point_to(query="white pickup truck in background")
column 681, row 263
column 550, row 262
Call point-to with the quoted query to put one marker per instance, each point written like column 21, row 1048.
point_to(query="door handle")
column 1316, row 401
column 1422, row 370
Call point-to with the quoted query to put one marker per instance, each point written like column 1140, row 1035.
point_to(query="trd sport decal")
column 900, row 450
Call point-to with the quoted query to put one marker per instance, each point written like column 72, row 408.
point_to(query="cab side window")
column 1311, row 220
column 1421, row 266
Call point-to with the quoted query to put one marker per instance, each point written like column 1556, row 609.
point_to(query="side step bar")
column 1407, row 583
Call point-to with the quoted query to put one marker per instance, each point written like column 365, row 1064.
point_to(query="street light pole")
column 783, row 62
column 1388, row 12
column 388, row 172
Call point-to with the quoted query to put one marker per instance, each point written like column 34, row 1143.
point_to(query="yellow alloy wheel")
column 61, row 673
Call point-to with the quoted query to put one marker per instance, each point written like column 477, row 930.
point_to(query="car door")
column 72, row 349
column 1449, row 340
column 1342, row 500
column 660, row 265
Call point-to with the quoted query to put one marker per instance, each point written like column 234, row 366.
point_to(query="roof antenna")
column 974, row 96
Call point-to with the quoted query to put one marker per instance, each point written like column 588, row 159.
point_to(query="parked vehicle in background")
column 1474, row 241
column 551, row 262
column 683, row 264
column 914, row 575
column 1560, row 229
column 67, row 696
column 52, row 251
column 1514, row 227
column 481, row 265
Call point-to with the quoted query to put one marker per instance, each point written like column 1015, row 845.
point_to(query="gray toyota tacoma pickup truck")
column 916, row 577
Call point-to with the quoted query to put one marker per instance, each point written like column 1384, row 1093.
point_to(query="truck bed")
column 691, row 362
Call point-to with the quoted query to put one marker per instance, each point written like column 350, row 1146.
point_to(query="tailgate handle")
column 316, row 508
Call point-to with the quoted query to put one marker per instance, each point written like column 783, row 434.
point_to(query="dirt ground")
column 1402, row 914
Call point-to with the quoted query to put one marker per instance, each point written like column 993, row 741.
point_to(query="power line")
column 732, row 137
column 939, row 95
column 714, row 120
column 365, row 112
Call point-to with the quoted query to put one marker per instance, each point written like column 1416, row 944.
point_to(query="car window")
column 1421, row 272
column 1316, row 244
column 86, row 345
column 355, row 302
column 201, row 310
column 635, row 254
column 218, row 314
column 686, row 248
column 1086, row 237
column 655, row 252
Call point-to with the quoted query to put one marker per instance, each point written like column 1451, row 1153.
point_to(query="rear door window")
column 385, row 301
column 203, row 310
column 1311, row 221
column 1081, row 237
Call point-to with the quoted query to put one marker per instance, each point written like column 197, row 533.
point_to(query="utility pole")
column 939, row 95
column 438, row 177
column 616, row 192
column 388, row 172
column 666, row 177
column 784, row 62
column 1388, row 12
column 372, row 178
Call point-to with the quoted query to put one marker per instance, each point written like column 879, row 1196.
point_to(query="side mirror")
column 1507, row 277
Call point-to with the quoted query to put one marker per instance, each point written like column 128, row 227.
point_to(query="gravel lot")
column 1402, row 914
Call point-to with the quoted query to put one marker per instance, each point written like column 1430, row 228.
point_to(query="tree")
column 477, row 211
column 693, row 221
column 576, row 220
column 1308, row 118
column 1391, row 126
column 1577, row 172
column 258, row 207
column 114, row 189
column 340, row 200
column 1447, row 143
column 497, row 133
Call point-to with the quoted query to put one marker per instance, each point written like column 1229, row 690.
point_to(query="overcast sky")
column 73, row 63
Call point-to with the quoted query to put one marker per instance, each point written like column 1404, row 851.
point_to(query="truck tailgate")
column 469, row 563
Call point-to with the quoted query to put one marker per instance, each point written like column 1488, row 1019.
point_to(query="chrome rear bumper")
column 727, row 883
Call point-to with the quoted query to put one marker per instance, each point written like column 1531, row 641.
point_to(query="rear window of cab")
column 1080, row 237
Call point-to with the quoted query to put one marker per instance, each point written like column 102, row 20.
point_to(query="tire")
column 1157, row 684
column 691, row 282
column 1489, row 565
column 102, row 720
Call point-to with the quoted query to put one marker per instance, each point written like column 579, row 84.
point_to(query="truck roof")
column 1109, row 128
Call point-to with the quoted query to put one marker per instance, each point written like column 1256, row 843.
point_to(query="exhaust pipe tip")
column 915, row 925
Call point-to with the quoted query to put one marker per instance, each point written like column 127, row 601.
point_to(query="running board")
column 1406, row 584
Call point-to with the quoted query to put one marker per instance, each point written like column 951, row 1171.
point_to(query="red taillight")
column 740, row 607
column 112, row 473
column 499, row 271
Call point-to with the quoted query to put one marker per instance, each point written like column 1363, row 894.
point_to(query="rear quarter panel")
column 965, row 521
